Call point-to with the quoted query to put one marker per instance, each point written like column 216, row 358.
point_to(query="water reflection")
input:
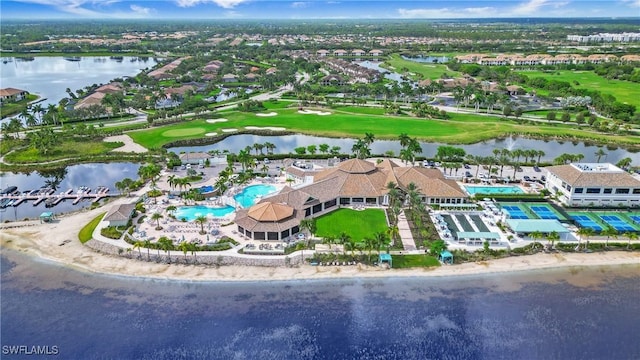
column 72, row 177
column 48, row 77
column 552, row 148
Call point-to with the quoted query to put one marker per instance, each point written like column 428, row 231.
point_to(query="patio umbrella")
column 207, row 237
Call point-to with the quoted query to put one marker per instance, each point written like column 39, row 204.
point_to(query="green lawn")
column 456, row 130
column 358, row 224
column 86, row 232
column 411, row 261
column 67, row 149
column 428, row 71
column 624, row 91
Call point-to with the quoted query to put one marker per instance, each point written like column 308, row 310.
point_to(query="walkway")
column 405, row 233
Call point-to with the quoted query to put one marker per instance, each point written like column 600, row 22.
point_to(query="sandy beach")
column 44, row 241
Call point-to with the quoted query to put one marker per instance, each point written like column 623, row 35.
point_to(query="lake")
column 50, row 76
column 71, row 177
column 552, row 148
column 427, row 59
column 579, row 313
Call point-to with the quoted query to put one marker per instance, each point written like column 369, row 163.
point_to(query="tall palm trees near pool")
column 201, row 220
column 157, row 217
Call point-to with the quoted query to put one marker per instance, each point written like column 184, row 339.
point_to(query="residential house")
column 9, row 95
column 229, row 78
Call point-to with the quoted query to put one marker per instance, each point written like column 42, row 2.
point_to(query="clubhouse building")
column 588, row 184
column 353, row 182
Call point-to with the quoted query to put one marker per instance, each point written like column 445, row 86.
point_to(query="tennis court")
column 543, row 212
column 617, row 223
column 586, row 222
column 515, row 212
column 635, row 218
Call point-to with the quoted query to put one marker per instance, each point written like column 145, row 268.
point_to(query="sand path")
column 129, row 145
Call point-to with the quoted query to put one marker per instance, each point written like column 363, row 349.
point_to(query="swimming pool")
column 249, row 195
column 190, row 213
column 493, row 190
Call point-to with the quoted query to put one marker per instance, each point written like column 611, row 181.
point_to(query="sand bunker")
column 315, row 112
column 267, row 114
column 213, row 121
column 272, row 128
column 229, row 130
column 211, row 134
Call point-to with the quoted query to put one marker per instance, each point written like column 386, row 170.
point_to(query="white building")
column 589, row 184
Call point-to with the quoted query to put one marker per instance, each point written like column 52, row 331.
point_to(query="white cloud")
column 73, row 6
column 227, row 4
column 632, row 3
column 535, row 7
column 299, row 4
column 447, row 13
column 139, row 10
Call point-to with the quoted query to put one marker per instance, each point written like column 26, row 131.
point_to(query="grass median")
column 86, row 233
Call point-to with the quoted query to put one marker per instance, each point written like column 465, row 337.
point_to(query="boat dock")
column 51, row 199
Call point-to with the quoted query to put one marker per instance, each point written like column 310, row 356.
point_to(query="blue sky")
column 286, row 9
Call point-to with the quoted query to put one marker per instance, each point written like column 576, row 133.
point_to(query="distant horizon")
column 76, row 10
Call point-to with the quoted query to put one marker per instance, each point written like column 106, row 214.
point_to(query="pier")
column 51, row 199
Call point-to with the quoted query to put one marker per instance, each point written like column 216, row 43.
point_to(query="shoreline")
column 43, row 241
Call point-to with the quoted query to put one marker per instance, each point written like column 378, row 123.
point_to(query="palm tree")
column 345, row 239
column 630, row 236
column 147, row 244
column 201, row 220
column 600, row 153
column 184, row 247
column 270, row 147
column 540, row 154
column 368, row 245
column 167, row 245
column 536, row 235
column 585, row 233
column 393, row 232
column 552, row 237
column 309, row 225
column 193, row 248
column 380, row 240
column 609, row 232
column 368, row 138
column 171, row 209
column 157, row 217
column 138, row 244
column 404, row 139
column 330, row 240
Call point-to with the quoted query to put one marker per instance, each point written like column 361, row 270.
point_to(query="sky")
column 325, row 9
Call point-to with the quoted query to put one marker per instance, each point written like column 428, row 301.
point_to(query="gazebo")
column 382, row 258
column 46, row 216
column 446, row 257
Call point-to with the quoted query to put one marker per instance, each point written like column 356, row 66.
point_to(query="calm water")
column 493, row 189
column 71, row 177
column 251, row 194
column 192, row 212
column 427, row 59
column 577, row 314
column 552, row 149
column 49, row 77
